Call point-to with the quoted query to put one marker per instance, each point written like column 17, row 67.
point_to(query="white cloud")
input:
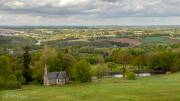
column 15, row 4
column 139, row 8
column 62, row 3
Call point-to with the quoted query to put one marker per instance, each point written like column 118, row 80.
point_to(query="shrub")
column 112, row 65
column 102, row 70
column 130, row 75
column 176, row 65
column 94, row 59
column 174, row 69
column 22, row 80
column 9, row 83
column 12, row 85
column 1, row 82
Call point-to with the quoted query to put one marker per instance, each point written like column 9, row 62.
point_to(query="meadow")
column 154, row 88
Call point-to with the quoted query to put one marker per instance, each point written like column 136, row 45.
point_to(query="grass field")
column 155, row 88
column 154, row 39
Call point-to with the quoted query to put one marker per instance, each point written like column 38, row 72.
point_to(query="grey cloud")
column 99, row 8
column 88, row 9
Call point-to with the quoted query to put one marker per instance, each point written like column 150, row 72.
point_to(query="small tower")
column 45, row 79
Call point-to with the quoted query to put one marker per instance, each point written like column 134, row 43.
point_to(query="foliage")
column 87, row 49
column 139, row 61
column 12, row 83
column 48, row 53
column 10, row 73
column 124, row 58
column 94, row 59
column 111, row 65
column 38, row 70
column 94, row 45
column 47, row 56
column 176, row 65
column 102, row 70
column 27, row 73
column 161, row 60
column 82, row 71
column 69, row 63
column 130, row 75
column 55, row 61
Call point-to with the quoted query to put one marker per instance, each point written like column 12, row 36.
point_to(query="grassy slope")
column 156, row 88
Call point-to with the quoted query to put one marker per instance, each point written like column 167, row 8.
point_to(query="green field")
column 154, row 39
column 155, row 88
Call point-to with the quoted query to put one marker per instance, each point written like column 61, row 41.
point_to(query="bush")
column 102, row 70
column 175, row 66
column 9, row 83
column 94, row 59
column 12, row 85
column 130, row 75
column 174, row 69
column 1, row 82
column 22, row 80
column 112, row 65
column 82, row 71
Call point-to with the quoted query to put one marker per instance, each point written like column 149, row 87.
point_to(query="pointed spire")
column 45, row 70
column 46, row 83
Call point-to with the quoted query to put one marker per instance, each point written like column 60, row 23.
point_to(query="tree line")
column 27, row 66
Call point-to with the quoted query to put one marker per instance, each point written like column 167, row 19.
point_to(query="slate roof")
column 62, row 75
column 57, row 75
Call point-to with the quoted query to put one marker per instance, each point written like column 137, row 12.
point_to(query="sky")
column 89, row 12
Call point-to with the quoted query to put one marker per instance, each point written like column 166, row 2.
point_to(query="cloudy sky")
column 89, row 12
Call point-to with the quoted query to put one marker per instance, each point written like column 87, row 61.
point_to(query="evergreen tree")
column 26, row 64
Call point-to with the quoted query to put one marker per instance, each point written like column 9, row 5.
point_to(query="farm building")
column 55, row 78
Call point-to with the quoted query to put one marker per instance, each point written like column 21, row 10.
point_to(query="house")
column 55, row 78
